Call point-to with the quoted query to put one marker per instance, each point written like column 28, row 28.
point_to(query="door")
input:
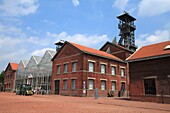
column 57, row 87
column 122, row 89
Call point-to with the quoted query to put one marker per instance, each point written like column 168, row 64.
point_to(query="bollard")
column 96, row 93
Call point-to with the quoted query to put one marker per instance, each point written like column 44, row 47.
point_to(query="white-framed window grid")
column 65, row 84
column 103, row 85
column 103, row 68
column 58, row 69
column 74, row 66
column 122, row 71
column 113, row 85
column 65, row 68
column 91, row 66
column 73, row 83
column 91, row 84
column 113, row 70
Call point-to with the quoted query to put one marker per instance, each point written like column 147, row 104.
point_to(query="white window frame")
column 91, row 66
column 65, row 68
column 113, row 70
column 122, row 72
column 65, row 84
column 58, row 69
column 113, row 89
column 73, row 83
column 103, row 68
column 74, row 66
column 91, row 84
column 103, row 85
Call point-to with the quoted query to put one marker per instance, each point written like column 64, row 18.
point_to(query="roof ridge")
column 95, row 50
column 150, row 51
column 155, row 44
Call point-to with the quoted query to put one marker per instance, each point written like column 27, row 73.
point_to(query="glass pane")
column 113, row 86
column 91, row 82
column 113, row 70
column 103, row 69
column 91, row 66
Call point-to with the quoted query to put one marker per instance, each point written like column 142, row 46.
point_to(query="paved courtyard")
column 11, row 103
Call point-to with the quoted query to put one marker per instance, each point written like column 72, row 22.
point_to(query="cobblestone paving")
column 11, row 103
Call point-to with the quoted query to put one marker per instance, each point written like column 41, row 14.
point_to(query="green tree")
column 2, row 77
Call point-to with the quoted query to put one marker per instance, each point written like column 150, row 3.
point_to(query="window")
column 91, row 84
column 122, row 72
column 74, row 65
column 113, row 85
column 150, row 87
column 103, row 85
column 113, row 70
column 65, row 68
column 73, row 84
column 65, row 84
column 91, row 66
column 58, row 69
column 103, row 68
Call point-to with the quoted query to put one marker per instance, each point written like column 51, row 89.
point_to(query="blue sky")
column 29, row 27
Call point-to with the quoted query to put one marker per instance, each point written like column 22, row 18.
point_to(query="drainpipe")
column 86, row 74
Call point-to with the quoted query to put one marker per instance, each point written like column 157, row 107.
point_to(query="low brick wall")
column 150, row 98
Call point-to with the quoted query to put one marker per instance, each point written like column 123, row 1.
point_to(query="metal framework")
column 37, row 72
column 127, row 28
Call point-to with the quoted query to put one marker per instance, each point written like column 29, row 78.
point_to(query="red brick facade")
column 155, row 69
column 117, row 50
column 69, row 54
column 9, row 77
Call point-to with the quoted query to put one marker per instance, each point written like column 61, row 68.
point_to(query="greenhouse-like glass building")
column 37, row 72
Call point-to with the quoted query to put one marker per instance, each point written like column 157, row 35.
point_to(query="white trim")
column 150, row 77
column 103, row 79
column 66, row 63
column 74, row 61
column 168, row 76
column 112, row 65
column 57, row 79
column 73, row 78
column 91, row 61
column 113, row 80
column 58, row 64
column 64, row 78
column 103, row 63
column 91, row 78
column 123, row 81
column 122, row 67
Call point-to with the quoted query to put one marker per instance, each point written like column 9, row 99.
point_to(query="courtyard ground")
column 11, row 103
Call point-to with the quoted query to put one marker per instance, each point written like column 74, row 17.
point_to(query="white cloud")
column 158, row 36
column 48, row 22
column 120, row 4
column 75, row 2
column 40, row 52
column 153, row 7
column 90, row 41
column 18, row 7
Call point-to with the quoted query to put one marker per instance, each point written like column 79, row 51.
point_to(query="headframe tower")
column 127, row 28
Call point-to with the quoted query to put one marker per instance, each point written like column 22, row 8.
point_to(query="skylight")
column 167, row 47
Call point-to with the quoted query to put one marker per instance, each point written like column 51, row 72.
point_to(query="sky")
column 29, row 27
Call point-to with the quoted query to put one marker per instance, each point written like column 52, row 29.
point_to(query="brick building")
column 79, row 70
column 149, row 71
column 9, row 78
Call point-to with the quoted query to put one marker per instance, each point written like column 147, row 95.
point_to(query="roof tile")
column 14, row 66
column 151, row 51
column 95, row 52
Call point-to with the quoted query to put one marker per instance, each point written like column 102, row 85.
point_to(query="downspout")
column 86, row 74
